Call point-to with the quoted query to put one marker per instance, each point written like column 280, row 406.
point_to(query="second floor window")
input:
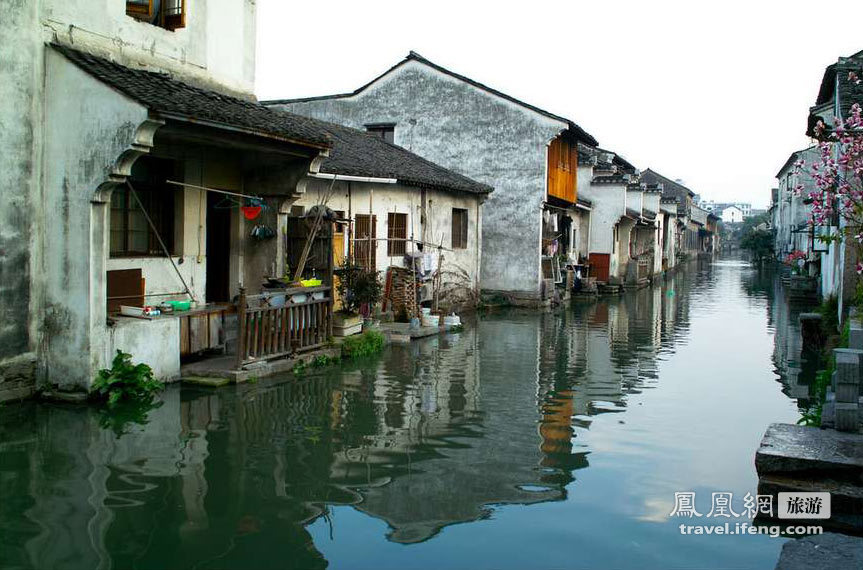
column 168, row 14
column 459, row 228
column 386, row 131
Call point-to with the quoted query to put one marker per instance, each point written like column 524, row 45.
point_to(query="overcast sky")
column 714, row 94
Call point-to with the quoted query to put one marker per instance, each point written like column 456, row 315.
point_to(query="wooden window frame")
column 364, row 236
column 386, row 131
column 171, row 16
column 460, row 222
column 397, row 234
column 160, row 206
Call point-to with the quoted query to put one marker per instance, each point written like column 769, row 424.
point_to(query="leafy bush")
column 358, row 286
column 366, row 344
column 759, row 243
column 322, row 360
column 125, row 382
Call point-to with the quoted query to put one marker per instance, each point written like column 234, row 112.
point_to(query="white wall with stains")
column 474, row 133
column 383, row 198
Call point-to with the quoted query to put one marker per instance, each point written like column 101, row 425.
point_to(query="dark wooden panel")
column 216, row 333
column 184, row 336
column 198, row 333
column 125, row 287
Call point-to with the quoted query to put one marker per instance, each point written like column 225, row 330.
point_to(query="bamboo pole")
column 310, row 239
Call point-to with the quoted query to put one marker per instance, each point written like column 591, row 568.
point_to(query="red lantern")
column 251, row 212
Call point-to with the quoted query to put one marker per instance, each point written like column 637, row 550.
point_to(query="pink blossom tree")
column 838, row 176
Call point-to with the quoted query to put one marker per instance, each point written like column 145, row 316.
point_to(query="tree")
column 759, row 242
column 838, row 176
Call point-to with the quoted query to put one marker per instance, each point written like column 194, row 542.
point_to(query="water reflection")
column 441, row 432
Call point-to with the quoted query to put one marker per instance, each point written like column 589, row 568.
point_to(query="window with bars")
column 364, row 241
column 131, row 235
column 459, row 228
column 168, row 14
column 397, row 233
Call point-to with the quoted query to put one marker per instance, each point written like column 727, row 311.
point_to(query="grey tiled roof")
column 357, row 153
column 670, row 188
column 174, row 99
column 577, row 131
column 849, row 92
column 611, row 179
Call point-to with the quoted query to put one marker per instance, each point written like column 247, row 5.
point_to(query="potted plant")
column 358, row 288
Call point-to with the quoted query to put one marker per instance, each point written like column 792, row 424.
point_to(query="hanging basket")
column 251, row 212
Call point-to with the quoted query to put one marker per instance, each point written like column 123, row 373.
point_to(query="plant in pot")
column 358, row 288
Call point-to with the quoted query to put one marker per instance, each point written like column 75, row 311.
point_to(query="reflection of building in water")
column 80, row 479
column 449, row 457
column 432, row 434
column 796, row 370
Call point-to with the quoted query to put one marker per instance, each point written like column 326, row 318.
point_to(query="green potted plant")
column 358, row 287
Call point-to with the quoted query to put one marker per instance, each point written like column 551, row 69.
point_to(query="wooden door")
column 599, row 266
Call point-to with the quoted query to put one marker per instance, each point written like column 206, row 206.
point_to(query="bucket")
column 452, row 320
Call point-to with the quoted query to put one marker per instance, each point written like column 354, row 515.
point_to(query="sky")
column 715, row 94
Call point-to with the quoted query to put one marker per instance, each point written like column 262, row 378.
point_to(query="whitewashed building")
column 118, row 118
column 731, row 215
column 527, row 154
column 394, row 205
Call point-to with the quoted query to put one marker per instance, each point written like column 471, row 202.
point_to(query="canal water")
column 529, row 440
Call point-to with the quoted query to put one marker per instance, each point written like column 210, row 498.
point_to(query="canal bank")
column 539, row 440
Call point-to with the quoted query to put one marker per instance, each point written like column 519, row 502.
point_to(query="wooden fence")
column 272, row 326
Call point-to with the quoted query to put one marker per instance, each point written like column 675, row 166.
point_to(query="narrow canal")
column 552, row 440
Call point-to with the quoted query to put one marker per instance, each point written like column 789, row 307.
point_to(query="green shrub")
column 125, row 382
column 366, row 344
column 357, row 286
column 829, row 311
column 811, row 416
column 322, row 360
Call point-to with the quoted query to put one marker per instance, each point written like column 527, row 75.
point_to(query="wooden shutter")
column 459, row 228
column 364, row 241
column 562, row 163
column 174, row 14
column 397, row 233
column 140, row 9
column 124, row 287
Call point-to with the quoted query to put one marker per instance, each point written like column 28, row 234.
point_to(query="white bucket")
column 452, row 320
column 426, row 311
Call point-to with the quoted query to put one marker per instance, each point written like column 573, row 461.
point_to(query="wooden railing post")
column 241, row 328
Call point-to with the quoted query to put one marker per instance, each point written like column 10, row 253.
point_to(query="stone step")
column 828, row 551
column 810, row 452
column 846, row 499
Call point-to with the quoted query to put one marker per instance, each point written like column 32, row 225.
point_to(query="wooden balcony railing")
column 272, row 326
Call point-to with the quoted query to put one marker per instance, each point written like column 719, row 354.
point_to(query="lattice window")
column 130, row 234
column 397, row 233
column 365, row 231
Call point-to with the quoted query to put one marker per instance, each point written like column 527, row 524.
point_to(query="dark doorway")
column 218, row 248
